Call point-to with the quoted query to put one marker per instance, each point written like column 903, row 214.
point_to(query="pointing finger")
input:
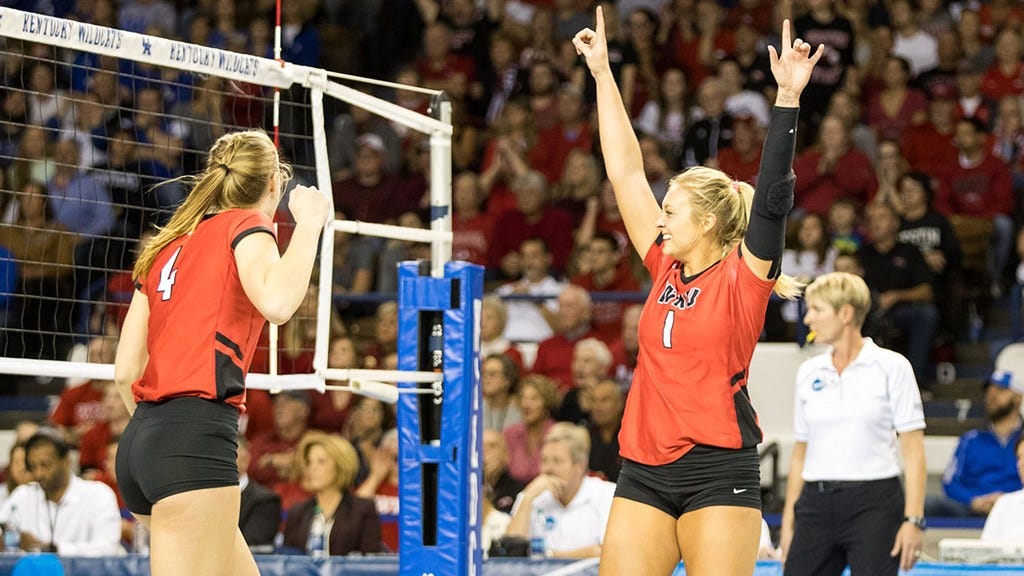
column 787, row 38
column 600, row 22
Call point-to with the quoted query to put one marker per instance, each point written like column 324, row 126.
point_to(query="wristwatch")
column 916, row 521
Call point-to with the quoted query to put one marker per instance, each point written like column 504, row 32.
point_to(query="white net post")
column 441, row 187
column 325, row 302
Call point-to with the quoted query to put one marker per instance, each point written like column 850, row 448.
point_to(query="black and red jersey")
column 202, row 327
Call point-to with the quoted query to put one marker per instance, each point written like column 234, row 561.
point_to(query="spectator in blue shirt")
column 984, row 466
column 79, row 202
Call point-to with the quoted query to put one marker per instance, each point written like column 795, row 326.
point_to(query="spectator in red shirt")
column 381, row 485
column 92, row 450
column 369, row 194
column 832, row 169
column 897, row 106
column 329, row 411
column 580, row 181
column 442, row 69
column 273, row 453
column 571, row 131
column 511, row 152
column 80, row 407
column 471, row 228
column 603, row 213
column 542, row 86
column 604, row 274
column 532, row 218
column 572, row 324
column 626, row 349
column 742, row 158
column 1006, row 76
column 980, row 186
column 929, row 147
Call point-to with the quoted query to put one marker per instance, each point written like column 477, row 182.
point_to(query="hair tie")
column 227, row 169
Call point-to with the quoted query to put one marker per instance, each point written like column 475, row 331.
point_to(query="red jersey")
column 696, row 339
column 202, row 327
column 79, row 405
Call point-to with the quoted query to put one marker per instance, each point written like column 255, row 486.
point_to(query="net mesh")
column 90, row 146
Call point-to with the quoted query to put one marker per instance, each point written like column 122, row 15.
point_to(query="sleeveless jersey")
column 697, row 336
column 202, row 327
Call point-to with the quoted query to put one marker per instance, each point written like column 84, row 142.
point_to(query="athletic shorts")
column 176, row 446
column 704, row 476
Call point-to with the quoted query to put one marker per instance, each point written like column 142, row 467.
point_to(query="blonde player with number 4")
column 690, row 480
column 205, row 287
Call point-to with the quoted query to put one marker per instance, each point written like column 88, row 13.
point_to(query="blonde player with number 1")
column 690, row 480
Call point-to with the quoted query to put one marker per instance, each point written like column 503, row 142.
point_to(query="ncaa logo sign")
column 817, row 385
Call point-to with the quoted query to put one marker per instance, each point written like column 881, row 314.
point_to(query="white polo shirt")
column 1005, row 523
column 579, row 524
column 850, row 421
column 525, row 322
column 86, row 522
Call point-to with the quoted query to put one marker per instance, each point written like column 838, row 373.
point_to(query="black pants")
column 846, row 523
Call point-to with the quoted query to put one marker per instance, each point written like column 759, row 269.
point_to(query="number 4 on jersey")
column 167, row 276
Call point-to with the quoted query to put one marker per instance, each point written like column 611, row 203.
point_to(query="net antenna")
column 201, row 61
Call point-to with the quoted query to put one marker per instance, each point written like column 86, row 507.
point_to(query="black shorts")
column 704, row 476
column 176, row 446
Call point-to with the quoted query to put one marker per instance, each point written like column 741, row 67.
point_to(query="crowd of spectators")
column 910, row 172
column 917, row 108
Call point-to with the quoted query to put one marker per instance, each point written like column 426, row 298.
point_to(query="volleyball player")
column 690, row 482
column 205, row 287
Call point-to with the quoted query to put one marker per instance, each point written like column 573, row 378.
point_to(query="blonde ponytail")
column 712, row 191
column 239, row 171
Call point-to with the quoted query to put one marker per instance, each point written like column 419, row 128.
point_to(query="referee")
column 844, row 501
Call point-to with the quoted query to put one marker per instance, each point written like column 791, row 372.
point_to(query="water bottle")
column 140, row 541
column 12, row 533
column 315, row 543
column 538, row 533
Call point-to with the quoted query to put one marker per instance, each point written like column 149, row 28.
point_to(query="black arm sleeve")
column 773, row 197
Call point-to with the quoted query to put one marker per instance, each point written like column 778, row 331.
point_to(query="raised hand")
column 592, row 45
column 308, row 203
column 792, row 69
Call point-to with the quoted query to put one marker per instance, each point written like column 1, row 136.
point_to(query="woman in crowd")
column 499, row 379
column 335, row 522
column 538, row 398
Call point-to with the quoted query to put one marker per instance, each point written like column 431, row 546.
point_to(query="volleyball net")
column 95, row 120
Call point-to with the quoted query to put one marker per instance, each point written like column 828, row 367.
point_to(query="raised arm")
column 773, row 198
column 619, row 145
column 276, row 284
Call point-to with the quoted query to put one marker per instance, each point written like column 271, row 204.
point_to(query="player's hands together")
column 308, row 205
column 592, row 45
column 792, row 68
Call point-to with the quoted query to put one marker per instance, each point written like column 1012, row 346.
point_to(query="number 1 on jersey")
column 666, row 330
column 167, row 276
